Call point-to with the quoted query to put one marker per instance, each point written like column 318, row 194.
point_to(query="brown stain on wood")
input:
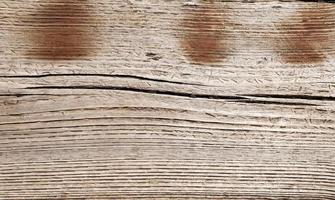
column 305, row 37
column 62, row 30
column 202, row 40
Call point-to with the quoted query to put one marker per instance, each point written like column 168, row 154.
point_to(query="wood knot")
column 62, row 30
column 305, row 37
column 203, row 37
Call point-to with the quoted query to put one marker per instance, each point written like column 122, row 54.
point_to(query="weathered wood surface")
column 163, row 99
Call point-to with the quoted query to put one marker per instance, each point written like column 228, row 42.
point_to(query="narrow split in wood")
column 203, row 38
column 62, row 30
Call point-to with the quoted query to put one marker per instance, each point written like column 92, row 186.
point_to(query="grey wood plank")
column 159, row 99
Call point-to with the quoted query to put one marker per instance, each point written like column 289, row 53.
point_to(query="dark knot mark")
column 62, row 30
column 305, row 37
column 203, row 34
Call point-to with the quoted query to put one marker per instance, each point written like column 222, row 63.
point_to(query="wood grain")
column 149, row 112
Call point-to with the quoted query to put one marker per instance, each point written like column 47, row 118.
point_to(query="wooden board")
column 167, row 99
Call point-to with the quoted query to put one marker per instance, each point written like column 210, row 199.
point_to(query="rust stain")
column 202, row 40
column 62, row 30
column 305, row 37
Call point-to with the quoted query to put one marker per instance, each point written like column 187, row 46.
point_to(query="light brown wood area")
column 167, row 99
